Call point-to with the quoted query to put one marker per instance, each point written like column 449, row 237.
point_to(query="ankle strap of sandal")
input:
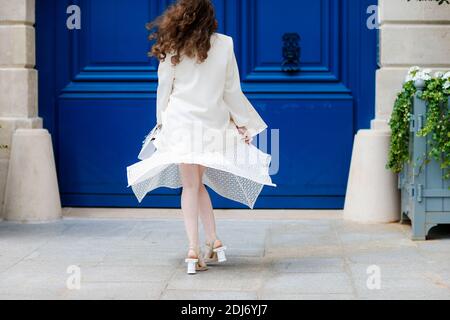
column 211, row 244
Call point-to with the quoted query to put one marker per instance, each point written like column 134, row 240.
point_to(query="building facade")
column 319, row 71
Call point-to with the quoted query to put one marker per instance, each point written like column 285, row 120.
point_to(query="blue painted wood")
column 425, row 194
column 96, row 81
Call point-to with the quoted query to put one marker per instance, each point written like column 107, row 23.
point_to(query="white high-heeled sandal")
column 215, row 254
column 195, row 264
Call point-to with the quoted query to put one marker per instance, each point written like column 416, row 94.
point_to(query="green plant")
column 436, row 94
column 399, row 123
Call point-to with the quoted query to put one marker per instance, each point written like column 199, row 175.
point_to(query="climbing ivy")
column 437, row 127
column 399, row 123
column 436, row 93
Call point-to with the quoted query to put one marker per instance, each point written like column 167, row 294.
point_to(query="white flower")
column 427, row 76
column 446, row 85
column 439, row 75
column 415, row 73
column 423, row 75
column 413, row 70
column 446, row 76
column 412, row 73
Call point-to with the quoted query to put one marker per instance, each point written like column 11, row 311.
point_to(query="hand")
column 154, row 132
column 246, row 135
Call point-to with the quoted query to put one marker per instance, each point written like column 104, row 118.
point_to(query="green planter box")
column 425, row 195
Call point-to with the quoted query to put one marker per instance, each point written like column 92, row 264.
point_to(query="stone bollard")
column 372, row 193
column 32, row 193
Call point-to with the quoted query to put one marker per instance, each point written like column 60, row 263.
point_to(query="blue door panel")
column 316, row 162
column 97, row 90
column 304, row 16
column 97, row 136
column 111, row 45
column 88, row 156
column 317, row 24
column 108, row 40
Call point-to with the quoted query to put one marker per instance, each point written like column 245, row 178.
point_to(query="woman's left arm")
column 242, row 111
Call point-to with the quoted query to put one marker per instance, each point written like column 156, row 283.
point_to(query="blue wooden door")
column 97, row 93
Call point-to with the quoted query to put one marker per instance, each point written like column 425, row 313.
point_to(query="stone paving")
column 312, row 257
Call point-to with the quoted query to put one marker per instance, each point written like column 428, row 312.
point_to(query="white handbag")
column 148, row 148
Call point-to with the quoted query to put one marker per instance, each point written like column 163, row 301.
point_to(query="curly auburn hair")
column 185, row 28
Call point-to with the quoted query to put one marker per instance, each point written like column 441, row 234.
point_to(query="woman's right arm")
column 166, row 75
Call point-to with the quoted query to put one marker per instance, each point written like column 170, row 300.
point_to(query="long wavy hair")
column 185, row 28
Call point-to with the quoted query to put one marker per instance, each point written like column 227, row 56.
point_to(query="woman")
column 204, row 127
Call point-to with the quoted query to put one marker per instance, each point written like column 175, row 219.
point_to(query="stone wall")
column 414, row 32
column 18, row 78
column 411, row 33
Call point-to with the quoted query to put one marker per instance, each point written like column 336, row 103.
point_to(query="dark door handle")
column 291, row 52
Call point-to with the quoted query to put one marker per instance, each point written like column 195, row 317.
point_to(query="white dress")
column 198, row 108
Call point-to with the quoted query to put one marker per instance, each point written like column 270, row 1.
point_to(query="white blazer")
column 210, row 91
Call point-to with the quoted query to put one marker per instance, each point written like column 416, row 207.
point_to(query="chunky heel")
column 194, row 261
column 221, row 257
column 213, row 255
column 191, row 266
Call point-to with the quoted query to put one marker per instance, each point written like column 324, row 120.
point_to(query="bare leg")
column 190, row 177
column 206, row 212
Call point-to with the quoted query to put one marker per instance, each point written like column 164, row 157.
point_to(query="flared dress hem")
column 166, row 174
